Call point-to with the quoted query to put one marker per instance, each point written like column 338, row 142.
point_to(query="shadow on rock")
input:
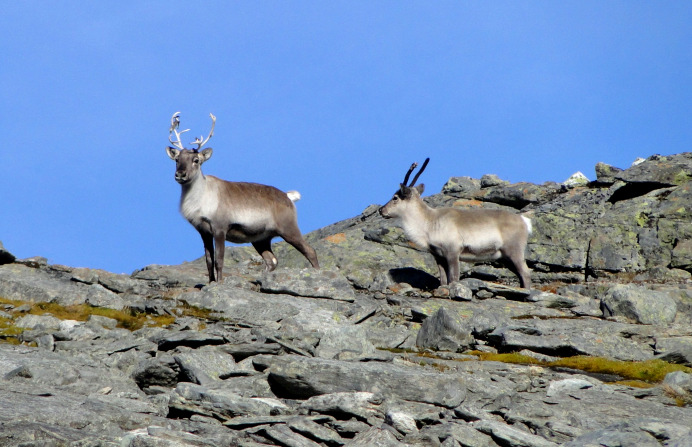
column 414, row 277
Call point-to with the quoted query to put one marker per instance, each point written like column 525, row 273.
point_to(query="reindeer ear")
column 420, row 188
column 206, row 154
column 172, row 152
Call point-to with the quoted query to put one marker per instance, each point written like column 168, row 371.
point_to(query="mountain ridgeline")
column 370, row 349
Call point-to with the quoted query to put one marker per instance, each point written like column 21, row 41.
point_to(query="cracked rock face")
column 369, row 350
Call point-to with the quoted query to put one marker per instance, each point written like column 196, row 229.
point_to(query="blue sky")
column 334, row 99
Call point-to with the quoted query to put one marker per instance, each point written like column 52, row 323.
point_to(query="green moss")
column 82, row 312
column 635, row 374
column 7, row 328
column 650, row 371
column 125, row 318
column 188, row 310
column 507, row 358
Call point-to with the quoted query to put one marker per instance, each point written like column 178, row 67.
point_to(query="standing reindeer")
column 452, row 234
column 237, row 212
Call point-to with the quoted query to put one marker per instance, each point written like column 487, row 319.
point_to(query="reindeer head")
column 406, row 194
column 188, row 162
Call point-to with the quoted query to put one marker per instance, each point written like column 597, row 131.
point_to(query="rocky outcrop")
column 369, row 350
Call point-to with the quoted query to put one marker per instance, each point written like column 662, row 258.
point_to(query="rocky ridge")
column 369, row 351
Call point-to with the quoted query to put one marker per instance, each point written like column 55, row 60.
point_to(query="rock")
column 155, row 372
column 489, row 180
column 567, row 385
column 508, row 435
column 675, row 349
column 459, row 291
column 5, row 256
column 304, row 377
column 173, row 339
column 565, row 337
column 576, row 179
column 680, row 380
column 205, row 365
column 441, row 332
column 344, row 343
column 681, row 257
column 283, row 435
column 639, row 432
column 517, row 195
column 359, row 404
column 402, row 422
column 102, row 322
column 308, row 282
column 216, row 402
column 375, row 437
column 314, row 431
column 18, row 281
column 668, row 170
column 605, row 173
column 44, row 322
column 639, row 304
column 461, row 186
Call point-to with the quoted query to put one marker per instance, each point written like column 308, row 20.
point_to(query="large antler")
column 199, row 142
column 175, row 123
column 415, row 179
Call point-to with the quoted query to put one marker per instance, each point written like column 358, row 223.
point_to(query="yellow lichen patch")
column 634, row 383
column 337, row 238
column 466, row 203
column 82, row 312
column 125, row 318
column 652, row 371
column 7, row 328
column 188, row 310
column 649, row 371
column 507, row 358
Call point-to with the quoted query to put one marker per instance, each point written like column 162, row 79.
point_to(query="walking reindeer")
column 236, row 212
column 452, row 234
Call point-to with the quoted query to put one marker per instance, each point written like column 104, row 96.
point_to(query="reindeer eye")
column 195, row 160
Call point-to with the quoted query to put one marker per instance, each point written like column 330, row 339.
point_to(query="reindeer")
column 452, row 234
column 237, row 212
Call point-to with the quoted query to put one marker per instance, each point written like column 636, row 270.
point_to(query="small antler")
column 199, row 142
column 175, row 123
column 410, row 170
column 415, row 179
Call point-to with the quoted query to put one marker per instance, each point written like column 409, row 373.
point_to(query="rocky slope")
column 369, row 351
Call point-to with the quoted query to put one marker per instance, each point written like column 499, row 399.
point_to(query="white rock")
column 576, row 179
column 403, row 422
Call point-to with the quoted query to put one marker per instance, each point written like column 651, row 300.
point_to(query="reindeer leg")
column 220, row 242
column 295, row 238
column 452, row 257
column 208, row 241
column 442, row 268
column 264, row 248
column 518, row 266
